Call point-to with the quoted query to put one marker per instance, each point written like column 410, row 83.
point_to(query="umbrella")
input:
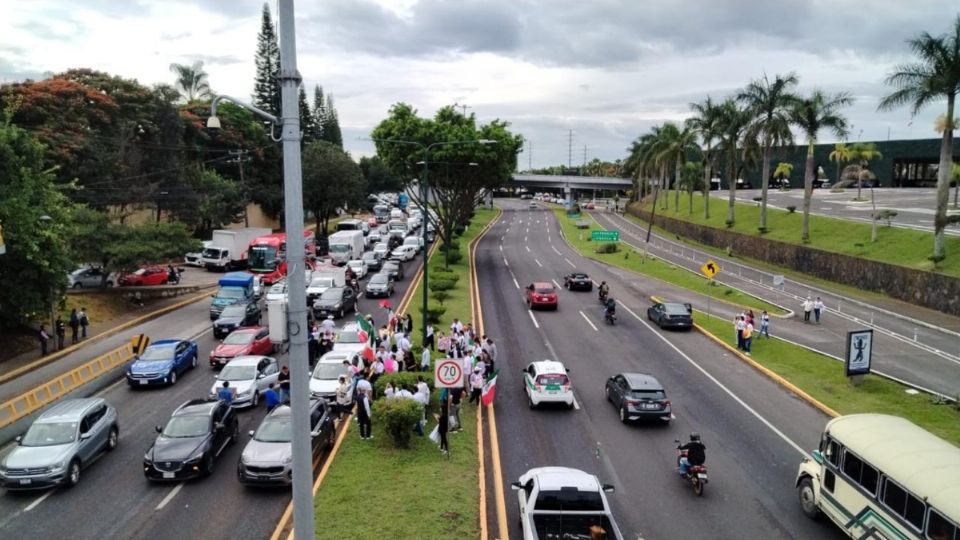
column 385, row 304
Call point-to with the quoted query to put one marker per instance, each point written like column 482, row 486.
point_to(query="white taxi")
column 547, row 382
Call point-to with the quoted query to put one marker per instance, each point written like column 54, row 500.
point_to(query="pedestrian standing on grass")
column 750, row 318
column 740, row 324
column 364, row 416
column 74, row 327
column 43, row 337
column 60, row 330
column 408, row 324
column 476, row 385
column 747, row 338
column 84, row 322
column 390, row 390
column 428, row 341
column 817, row 308
column 443, row 421
column 765, row 324
column 456, row 396
column 807, row 308
column 425, row 359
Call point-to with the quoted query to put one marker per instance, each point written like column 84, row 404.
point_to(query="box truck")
column 345, row 246
column 228, row 248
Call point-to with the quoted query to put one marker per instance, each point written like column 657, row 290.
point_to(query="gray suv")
column 63, row 440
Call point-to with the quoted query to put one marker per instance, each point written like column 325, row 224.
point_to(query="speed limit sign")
column 448, row 373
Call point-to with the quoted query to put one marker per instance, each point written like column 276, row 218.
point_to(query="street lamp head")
column 473, row 164
column 45, row 219
column 486, row 141
column 213, row 125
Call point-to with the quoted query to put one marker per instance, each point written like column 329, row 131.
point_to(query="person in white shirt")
column 428, row 341
column 328, row 326
column 363, row 385
column 476, row 385
column 817, row 308
column 425, row 360
column 457, row 326
column 403, row 393
column 807, row 308
column 467, row 368
column 422, row 385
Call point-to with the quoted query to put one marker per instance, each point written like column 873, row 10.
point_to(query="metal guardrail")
column 35, row 399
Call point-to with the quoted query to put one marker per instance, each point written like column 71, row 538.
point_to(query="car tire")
column 331, row 440
column 113, row 439
column 606, row 390
column 623, row 415
column 530, row 402
column 78, row 285
column 173, row 377
column 341, row 314
column 73, row 474
column 193, row 361
column 807, row 499
column 109, row 284
column 208, row 464
column 256, row 398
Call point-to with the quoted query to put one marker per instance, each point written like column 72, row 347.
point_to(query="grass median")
column 630, row 259
column 373, row 490
column 823, row 379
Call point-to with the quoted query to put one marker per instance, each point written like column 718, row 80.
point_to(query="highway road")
column 755, row 432
column 114, row 500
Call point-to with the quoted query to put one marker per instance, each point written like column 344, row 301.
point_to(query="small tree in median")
column 398, row 417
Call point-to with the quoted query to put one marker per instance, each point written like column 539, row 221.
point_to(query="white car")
column 547, row 382
column 249, row 377
column 277, row 292
column 404, row 253
column 382, row 249
column 326, row 375
column 193, row 259
column 317, row 286
column 359, row 267
column 347, row 340
column 415, row 241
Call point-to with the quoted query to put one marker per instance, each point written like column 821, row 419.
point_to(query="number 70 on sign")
column 448, row 373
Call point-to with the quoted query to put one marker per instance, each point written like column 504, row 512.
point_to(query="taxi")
column 547, row 382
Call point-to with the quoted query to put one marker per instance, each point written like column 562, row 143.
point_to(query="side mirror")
column 607, row 488
column 250, row 433
column 158, row 428
column 259, row 375
column 84, row 436
column 516, row 486
column 676, row 441
column 18, row 438
column 218, row 426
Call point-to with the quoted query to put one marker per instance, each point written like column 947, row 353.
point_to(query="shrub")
column 441, row 296
column 439, row 284
column 407, row 378
column 440, row 272
column 434, row 312
column 454, row 245
column 459, row 230
column 791, row 209
column 453, row 257
column 608, row 247
column 398, row 416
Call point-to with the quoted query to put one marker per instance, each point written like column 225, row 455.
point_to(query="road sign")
column 859, row 352
column 778, row 280
column 139, row 343
column 605, row 236
column 710, row 269
column 448, row 373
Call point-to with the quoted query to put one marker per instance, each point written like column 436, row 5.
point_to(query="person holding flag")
column 489, row 389
column 366, row 335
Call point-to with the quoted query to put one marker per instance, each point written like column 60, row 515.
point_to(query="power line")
column 570, row 150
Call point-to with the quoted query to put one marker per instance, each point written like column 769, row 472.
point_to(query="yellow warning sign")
column 139, row 343
column 710, row 269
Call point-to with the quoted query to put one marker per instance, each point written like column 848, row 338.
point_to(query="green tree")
column 331, row 180
column 813, row 114
column 266, row 86
column 691, row 179
column 34, row 215
column 769, row 103
column 706, row 122
column 191, row 81
column 331, row 123
column 379, row 177
column 209, row 201
column 863, row 154
column 683, row 141
column 933, row 77
column 732, row 124
column 306, row 117
column 319, row 113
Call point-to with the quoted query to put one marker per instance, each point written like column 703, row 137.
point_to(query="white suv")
column 547, row 382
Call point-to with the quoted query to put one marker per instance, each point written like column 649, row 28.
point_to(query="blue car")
column 162, row 362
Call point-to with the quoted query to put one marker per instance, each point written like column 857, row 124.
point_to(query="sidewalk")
column 932, row 362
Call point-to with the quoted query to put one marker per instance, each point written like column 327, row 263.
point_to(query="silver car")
column 89, row 278
column 267, row 458
column 66, row 438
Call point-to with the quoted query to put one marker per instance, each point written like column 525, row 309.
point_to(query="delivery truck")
column 346, row 246
column 235, row 288
column 228, row 248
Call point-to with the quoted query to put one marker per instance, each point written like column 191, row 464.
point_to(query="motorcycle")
column 355, row 285
column 696, row 474
column 173, row 278
column 610, row 317
column 602, row 297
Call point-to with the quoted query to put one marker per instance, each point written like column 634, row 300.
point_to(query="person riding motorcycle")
column 693, row 453
column 172, row 275
column 609, row 308
column 604, row 290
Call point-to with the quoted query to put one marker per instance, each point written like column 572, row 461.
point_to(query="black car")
column 194, row 437
column 578, row 281
column 379, row 285
column 235, row 316
column 638, row 396
column 336, row 301
column 394, row 242
column 671, row 315
column 373, row 261
column 393, row 268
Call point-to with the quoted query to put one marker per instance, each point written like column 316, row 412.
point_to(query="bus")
column 882, row 476
column 266, row 255
column 382, row 213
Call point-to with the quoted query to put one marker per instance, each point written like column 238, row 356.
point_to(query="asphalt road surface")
column 755, row 432
column 114, row 500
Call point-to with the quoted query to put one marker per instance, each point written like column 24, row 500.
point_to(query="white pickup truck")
column 564, row 503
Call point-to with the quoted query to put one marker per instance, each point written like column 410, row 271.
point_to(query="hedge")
column 398, row 416
column 408, row 378
column 440, row 284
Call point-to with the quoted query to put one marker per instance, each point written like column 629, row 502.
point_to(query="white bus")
column 880, row 476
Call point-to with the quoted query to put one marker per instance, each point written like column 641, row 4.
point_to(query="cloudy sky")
column 605, row 69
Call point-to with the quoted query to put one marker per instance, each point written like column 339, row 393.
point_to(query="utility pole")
column 241, row 156
column 463, row 108
column 570, row 149
column 530, row 155
column 584, row 156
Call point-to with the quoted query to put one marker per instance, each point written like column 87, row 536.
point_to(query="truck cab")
column 561, row 502
column 235, row 288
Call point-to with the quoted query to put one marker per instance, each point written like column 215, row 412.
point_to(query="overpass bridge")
column 570, row 185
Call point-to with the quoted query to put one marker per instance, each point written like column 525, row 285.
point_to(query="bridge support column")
column 567, row 196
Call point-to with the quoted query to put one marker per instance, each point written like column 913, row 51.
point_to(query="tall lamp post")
column 303, row 524
column 425, row 149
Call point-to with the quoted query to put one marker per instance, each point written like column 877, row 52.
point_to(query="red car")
column 148, row 275
column 248, row 341
column 542, row 294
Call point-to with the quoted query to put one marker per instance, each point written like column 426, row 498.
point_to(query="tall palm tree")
column 863, row 154
column 191, row 80
column 656, row 156
column 769, row 102
column 732, row 123
column 841, row 154
column 935, row 76
column 675, row 145
column 812, row 114
column 705, row 121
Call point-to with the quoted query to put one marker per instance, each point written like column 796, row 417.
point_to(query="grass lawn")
column 894, row 245
column 823, row 378
column 373, row 490
column 631, row 260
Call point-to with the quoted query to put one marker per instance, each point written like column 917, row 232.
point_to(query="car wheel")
column 113, row 439
column 808, row 503
column 173, row 377
column 73, row 473
column 208, row 464
column 193, row 361
column 623, row 414
column 530, row 402
column 109, row 284
column 340, row 316
column 606, row 390
column 330, row 440
column 256, row 398
column 78, row 285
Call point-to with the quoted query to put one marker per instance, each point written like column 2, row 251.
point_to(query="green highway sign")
column 605, row 236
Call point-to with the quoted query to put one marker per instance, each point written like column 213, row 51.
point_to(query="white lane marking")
column 528, row 248
column 538, row 263
column 39, row 500
column 524, row 238
column 170, row 496
column 595, row 284
column 508, row 230
column 570, row 263
column 555, row 283
column 515, row 283
column 534, row 319
column 584, row 315
column 505, row 263
column 501, row 247
column 549, row 239
column 576, row 405
column 555, row 250
column 729, row 392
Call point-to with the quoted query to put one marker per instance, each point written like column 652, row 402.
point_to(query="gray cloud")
column 222, row 60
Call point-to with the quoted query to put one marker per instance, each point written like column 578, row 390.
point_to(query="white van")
column 396, row 213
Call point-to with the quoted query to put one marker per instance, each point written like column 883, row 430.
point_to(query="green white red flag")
column 489, row 389
column 366, row 335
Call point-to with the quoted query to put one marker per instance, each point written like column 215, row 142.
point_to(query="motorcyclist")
column 693, row 453
column 609, row 308
column 604, row 290
column 172, row 275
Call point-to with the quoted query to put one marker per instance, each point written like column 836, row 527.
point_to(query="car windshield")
column 648, row 394
column 545, row 290
column 348, row 336
column 233, row 311
column 239, row 338
column 158, row 353
column 334, row 293
column 355, row 264
column 230, row 292
column 237, row 373
column 49, row 434
column 263, row 258
column 322, row 282
column 552, row 378
column 180, row 427
column 676, row 309
column 330, row 371
column 339, row 248
column 274, row 430
column 391, row 265
column 379, row 279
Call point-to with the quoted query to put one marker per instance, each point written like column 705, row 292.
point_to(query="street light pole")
column 423, row 236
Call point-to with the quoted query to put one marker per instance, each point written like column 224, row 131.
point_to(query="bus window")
column 860, row 472
column 831, row 451
column 940, row 528
column 903, row 504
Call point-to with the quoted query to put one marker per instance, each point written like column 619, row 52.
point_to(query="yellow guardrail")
column 52, row 390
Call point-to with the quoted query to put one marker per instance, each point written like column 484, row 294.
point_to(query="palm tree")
column 935, row 76
column 841, row 154
column 191, row 80
column 732, row 123
column 864, row 153
column 675, row 145
column 782, row 172
column 812, row 114
column 706, row 123
column 656, row 157
column 769, row 102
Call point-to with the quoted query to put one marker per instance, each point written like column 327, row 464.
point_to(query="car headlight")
column 148, row 458
column 336, row 306
column 246, row 392
column 59, row 465
column 287, row 460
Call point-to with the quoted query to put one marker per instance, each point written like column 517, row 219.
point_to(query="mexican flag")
column 489, row 389
column 366, row 335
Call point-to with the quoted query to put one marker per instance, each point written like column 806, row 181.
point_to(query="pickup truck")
column 564, row 503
